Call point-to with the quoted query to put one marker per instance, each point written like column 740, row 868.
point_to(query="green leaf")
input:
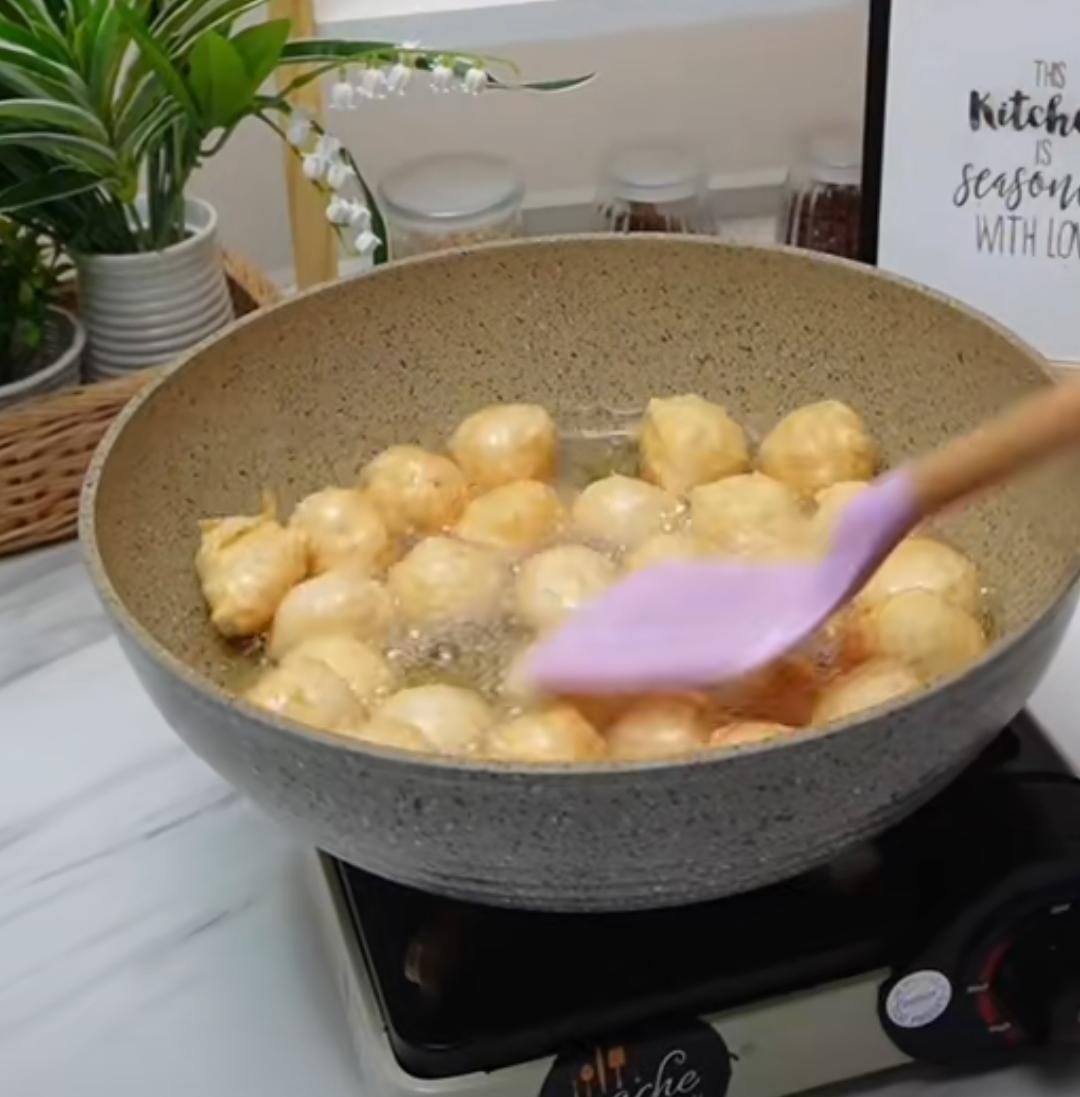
column 92, row 155
column 305, row 50
column 157, row 60
column 61, row 183
column 260, row 48
column 51, row 113
column 219, row 17
column 219, row 79
column 542, row 85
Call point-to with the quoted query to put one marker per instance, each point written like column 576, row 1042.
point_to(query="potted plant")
column 108, row 106
column 41, row 344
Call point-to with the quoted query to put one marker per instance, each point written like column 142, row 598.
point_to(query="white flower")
column 338, row 173
column 441, row 78
column 313, row 167
column 327, row 147
column 299, row 129
column 360, row 217
column 474, row 81
column 339, row 211
column 373, row 83
column 397, row 78
column 366, row 242
column 410, row 45
column 342, row 96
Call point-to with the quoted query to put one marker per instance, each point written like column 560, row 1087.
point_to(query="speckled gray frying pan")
column 297, row 396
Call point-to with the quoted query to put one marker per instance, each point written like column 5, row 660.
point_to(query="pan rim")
column 217, row 695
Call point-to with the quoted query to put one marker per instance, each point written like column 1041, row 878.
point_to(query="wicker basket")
column 46, row 444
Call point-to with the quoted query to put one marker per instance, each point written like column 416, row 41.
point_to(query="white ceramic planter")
column 144, row 309
column 63, row 349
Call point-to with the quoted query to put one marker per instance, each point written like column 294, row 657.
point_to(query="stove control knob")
column 1038, row 980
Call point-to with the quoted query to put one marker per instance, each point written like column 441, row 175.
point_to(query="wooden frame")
column 314, row 243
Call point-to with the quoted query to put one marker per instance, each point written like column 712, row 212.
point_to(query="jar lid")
column 835, row 155
column 654, row 171
column 452, row 191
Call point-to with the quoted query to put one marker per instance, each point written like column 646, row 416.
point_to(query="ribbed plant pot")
column 144, row 309
column 56, row 365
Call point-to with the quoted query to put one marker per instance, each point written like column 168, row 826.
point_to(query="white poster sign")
column 980, row 183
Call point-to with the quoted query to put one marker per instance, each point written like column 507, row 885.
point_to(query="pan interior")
column 302, row 395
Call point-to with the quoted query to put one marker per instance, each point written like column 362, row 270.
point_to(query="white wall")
column 744, row 90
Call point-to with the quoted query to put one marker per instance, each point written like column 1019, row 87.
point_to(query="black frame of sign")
column 877, row 76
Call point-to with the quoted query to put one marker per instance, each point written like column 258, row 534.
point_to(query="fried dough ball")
column 505, row 442
column 246, row 565
column 341, row 526
column 556, row 734
column 667, row 548
column 921, row 563
column 453, row 720
column 308, row 691
column 386, row 731
column 748, row 732
column 658, row 727
column 818, row 445
column 520, row 517
column 554, row 583
column 686, row 441
column 415, row 491
column 623, row 511
column 343, row 600
column 831, row 503
column 748, row 515
column 443, row 581
column 874, row 683
column 922, row 630
column 365, row 670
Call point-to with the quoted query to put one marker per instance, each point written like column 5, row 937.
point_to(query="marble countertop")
column 156, row 934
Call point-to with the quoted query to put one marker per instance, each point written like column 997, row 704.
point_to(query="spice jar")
column 450, row 200
column 823, row 200
column 657, row 186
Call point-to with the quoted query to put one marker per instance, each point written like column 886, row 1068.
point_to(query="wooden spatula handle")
column 1037, row 427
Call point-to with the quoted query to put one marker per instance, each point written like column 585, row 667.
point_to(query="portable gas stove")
column 954, row 939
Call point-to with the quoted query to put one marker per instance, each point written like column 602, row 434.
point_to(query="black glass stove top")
column 466, row 988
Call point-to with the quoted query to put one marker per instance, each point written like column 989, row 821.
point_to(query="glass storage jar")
column 450, row 200
column 823, row 198
column 654, row 186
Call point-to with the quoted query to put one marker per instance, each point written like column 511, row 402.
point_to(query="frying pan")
column 296, row 397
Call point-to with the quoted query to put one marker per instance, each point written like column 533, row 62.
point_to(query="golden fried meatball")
column 554, row 583
column 246, row 565
column 308, row 691
column 686, row 441
column 867, row 686
column 443, row 581
column 414, row 491
column 342, row 526
column 506, row 442
column 658, row 727
column 453, row 720
column 922, row 630
column 386, row 731
column 556, row 734
column 667, row 548
column 365, row 670
column 818, row 445
column 921, row 563
column 520, row 516
column 748, row 515
column 343, row 600
column 831, row 503
column 624, row 511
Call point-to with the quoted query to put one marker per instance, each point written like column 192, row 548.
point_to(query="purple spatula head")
column 698, row 624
